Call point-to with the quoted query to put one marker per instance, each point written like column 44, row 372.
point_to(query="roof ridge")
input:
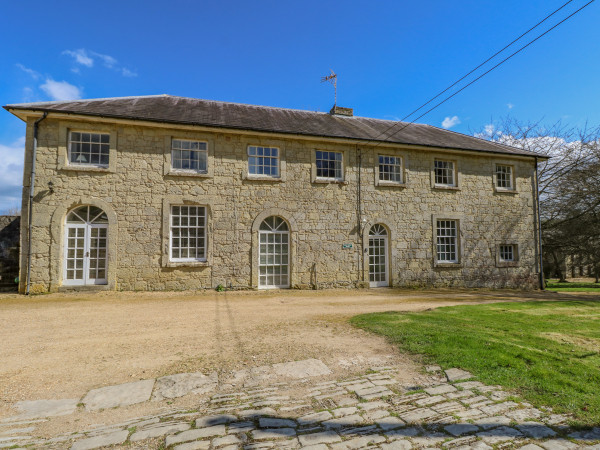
column 208, row 100
column 89, row 100
column 250, row 105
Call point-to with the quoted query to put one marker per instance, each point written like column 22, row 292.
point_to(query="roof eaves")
column 35, row 107
column 497, row 144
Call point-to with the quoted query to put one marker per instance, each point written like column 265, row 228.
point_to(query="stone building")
column 163, row 192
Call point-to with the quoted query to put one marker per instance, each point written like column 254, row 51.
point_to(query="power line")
column 485, row 73
column 487, row 60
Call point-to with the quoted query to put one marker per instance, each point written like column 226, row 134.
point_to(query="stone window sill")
column 329, row 181
column 263, row 178
column 187, row 264
column 182, row 173
column 448, row 265
column 391, row 184
column 505, row 191
column 446, row 188
column 82, row 168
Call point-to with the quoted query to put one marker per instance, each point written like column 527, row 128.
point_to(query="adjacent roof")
column 190, row 111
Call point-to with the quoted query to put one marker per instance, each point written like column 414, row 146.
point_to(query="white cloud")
column 28, row 95
column 81, row 57
column 35, row 75
column 128, row 73
column 450, row 122
column 60, row 90
column 11, row 173
column 488, row 132
column 510, row 105
column 108, row 60
column 88, row 58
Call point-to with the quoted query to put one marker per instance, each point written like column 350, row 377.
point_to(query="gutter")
column 539, row 228
column 31, row 188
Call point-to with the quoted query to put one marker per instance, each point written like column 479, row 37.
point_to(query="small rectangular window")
column 504, row 177
column 189, row 155
column 390, row 168
column 447, row 241
column 444, row 173
column 507, row 253
column 188, row 233
column 263, row 161
column 329, row 165
column 89, row 148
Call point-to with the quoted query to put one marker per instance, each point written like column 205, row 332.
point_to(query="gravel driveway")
column 63, row 345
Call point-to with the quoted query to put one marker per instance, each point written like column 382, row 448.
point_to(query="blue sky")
column 390, row 57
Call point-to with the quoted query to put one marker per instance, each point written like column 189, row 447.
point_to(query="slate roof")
column 190, row 111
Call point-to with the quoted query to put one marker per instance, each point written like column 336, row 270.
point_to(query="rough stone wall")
column 322, row 216
column 9, row 251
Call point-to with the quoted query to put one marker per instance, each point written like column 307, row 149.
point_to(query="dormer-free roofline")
column 173, row 110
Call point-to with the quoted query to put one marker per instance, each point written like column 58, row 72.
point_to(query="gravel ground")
column 62, row 345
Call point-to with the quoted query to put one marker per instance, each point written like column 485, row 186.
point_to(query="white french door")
column 273, row 254
column 85, row 260
column 378, row 256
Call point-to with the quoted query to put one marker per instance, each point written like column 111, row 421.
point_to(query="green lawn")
column 554, row 285
column 547, row 352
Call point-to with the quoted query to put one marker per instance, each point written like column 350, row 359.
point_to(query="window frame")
column 447, row 240
column 500, row 262
column 512, row 188
column 180, row 200
column 403, row 170
column 205, row 152
column 64, row 152
column 458, row 220
column 454, row 184
column 91, row 142
column 321, row 179
column 204, row 234
column 262, row 175
column 169, row 171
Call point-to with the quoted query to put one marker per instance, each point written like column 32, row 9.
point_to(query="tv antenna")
column 333, row 80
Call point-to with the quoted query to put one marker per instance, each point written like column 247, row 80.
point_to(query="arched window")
column 273, row 223
column 87, row 214
column 378, row 256
column 273, row 254
column 378, row 230
column 86, row 245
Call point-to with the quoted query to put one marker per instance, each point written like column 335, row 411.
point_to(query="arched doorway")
column 274, row 254
column 378, row 256
column 86, row 244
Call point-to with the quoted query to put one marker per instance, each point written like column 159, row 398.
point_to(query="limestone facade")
column 329, row 222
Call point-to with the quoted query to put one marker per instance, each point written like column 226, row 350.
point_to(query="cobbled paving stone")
column 372, row 411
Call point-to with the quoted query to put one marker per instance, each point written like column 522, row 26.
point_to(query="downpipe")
column 539, row 228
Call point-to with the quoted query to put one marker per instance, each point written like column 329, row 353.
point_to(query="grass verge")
column 548, row 352
column 554, row 285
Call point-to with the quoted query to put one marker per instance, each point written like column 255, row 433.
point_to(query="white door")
column 378, row 256
column 273, row 254
column 86, row 245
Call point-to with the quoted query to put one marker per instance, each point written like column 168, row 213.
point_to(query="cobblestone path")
column 442, row 410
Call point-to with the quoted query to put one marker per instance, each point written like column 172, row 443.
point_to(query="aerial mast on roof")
column 333, row 80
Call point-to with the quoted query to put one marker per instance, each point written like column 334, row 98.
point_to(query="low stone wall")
column 10, row 229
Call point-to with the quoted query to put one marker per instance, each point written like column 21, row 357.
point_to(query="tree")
column 569, row 188
column 12, row 211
